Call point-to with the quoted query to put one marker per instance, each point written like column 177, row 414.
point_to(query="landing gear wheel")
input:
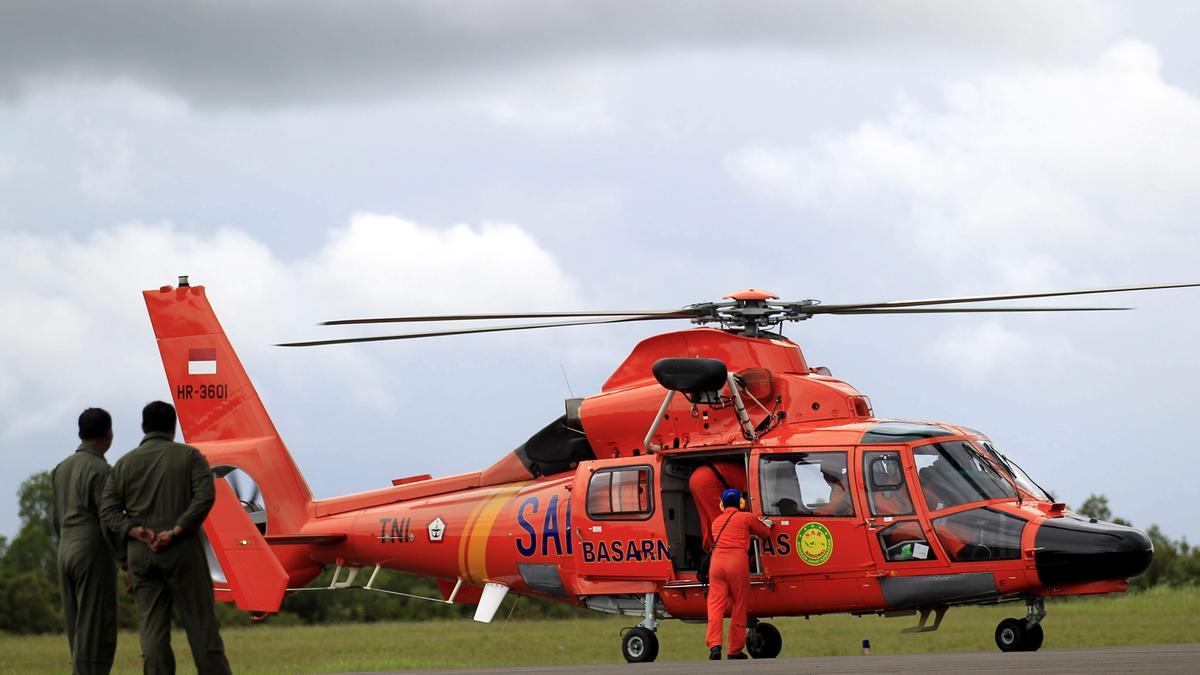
column 1016, row 635
column 640, row 645
column 763, row 641
column 1034, row 637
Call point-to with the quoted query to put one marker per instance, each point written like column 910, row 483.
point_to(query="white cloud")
column 575, row 99
column 1040, row 177
column 989, row 351
column 112, row 177
column 381, row 260
column 77, row 317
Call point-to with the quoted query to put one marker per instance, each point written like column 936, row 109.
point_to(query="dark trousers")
column 89, row 593
column 177, row 577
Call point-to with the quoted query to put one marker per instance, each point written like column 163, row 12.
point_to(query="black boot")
column 739, row 655
column 714, row 653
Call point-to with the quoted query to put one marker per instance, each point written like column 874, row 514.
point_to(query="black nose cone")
column 1074, row 550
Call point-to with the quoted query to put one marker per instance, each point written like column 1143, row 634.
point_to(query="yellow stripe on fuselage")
column 466, row 535
column 474, row 550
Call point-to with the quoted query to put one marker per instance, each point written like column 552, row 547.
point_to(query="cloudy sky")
column 308, row 161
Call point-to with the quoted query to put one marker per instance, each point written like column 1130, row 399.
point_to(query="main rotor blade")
column 1008, row 296
column 964, row 310
column 468, row 331
column 665, row 313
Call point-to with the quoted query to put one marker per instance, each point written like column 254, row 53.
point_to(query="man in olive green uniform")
column 86, row 550
column 160, row 492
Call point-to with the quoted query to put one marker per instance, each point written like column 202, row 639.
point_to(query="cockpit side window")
column 887, row 490
column 980, row 534
column 905, row 541
column 954, row 473
column 808, row 483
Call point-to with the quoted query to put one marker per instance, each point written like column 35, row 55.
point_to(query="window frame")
column 941, row 450
column 623, row 515
column 883, row 550
column 846, row 453
column 870, row 486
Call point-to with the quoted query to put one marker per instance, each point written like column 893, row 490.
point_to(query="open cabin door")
column 618, row 520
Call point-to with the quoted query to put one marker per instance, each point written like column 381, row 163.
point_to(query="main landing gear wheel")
column 640, row 645
column 1016, row 635
column 763, row 641
column 1034, row 637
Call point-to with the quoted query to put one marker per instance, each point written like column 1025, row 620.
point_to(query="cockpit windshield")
column 1018, row 474
column 954, row 473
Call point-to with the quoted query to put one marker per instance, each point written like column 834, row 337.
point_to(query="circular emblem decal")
column 814, row 543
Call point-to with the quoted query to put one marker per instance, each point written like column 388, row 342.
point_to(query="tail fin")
column 220, row 413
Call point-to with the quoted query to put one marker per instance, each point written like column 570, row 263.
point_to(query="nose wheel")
column 1023, row 635
column 640, row 645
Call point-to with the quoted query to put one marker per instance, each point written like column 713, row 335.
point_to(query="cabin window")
column 887, row 490
column 980, row 534
column 954, row 473
column 620, row 493
column 806, row 484
column 905, row 541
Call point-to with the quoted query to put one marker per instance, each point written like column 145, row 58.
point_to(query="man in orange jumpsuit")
column 729, row 573
column 706, row 485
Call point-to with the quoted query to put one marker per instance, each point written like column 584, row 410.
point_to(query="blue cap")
column 731, row 497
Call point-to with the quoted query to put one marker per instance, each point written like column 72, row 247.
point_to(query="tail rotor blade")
column 235, row 481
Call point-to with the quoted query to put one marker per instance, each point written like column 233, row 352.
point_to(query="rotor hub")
column 750, row 311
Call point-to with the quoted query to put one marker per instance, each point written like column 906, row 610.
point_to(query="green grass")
column 1157, row 616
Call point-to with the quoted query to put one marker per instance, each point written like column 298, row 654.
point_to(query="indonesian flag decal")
column 202, row 361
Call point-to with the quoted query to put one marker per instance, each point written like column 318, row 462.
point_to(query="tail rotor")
column 248, row 494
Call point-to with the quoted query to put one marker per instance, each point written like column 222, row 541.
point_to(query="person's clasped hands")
column 163, row 539
column 155, row 541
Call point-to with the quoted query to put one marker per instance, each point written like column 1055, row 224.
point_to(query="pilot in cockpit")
column 833, row 470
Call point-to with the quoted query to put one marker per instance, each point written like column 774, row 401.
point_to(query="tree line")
column 29, row 591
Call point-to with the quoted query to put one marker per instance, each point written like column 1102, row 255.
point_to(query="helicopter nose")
column 1076, row 550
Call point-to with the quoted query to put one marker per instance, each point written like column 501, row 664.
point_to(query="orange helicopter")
column 872, row 515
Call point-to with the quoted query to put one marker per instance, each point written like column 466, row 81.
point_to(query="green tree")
column 29, row 604
column 32, row 551
column 1096, row 506
column 29, row 595
column 35, row 503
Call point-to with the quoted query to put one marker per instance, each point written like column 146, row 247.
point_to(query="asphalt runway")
column 1142, row 659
